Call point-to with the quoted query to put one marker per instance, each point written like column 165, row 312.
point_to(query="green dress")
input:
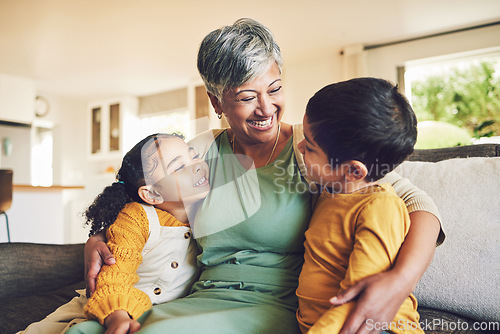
column 250, row 231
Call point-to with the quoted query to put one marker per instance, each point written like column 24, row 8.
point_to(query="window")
column 178, row 121
column 41, row 157
column 456, row 98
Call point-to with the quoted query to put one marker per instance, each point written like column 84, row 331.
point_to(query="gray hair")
column 237, row 54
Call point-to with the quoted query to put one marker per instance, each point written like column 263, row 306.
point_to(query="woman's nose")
column 266, row 107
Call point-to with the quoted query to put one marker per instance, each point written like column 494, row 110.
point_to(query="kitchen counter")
column 42, row 214
column 27, row 187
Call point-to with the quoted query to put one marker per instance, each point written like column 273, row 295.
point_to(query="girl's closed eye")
column 179, row 168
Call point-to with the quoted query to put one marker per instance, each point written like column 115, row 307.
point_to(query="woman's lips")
column 262, row 125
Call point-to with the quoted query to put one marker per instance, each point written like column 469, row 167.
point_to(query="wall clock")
column 41, row 106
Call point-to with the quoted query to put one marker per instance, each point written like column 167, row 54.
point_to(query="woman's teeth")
column 202, row 180
column 262, row 124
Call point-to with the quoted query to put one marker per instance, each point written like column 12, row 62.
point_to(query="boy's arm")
column 379, row 232
column 115, row 284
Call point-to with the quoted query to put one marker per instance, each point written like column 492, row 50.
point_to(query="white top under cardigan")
column 168, row 266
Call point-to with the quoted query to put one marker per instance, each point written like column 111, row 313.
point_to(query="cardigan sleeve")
column 115, row 290
column 414, row 198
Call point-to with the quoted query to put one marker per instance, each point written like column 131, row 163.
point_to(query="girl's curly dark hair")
column 136, row 164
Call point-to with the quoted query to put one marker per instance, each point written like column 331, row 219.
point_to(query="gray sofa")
column 37, row 278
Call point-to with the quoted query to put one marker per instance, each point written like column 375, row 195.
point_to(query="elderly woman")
column 250, row 229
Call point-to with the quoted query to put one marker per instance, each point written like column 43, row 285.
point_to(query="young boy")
column 355, row 132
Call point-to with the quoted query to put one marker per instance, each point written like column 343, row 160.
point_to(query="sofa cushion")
column 463, row 276
column 442, row 322
column 19, row 312
column 29, row 268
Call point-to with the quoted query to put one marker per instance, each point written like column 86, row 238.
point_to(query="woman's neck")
column 260, row 154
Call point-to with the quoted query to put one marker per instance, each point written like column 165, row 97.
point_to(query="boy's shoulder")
column 384, row 192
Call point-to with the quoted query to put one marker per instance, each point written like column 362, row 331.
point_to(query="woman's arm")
column 96, row 254
column 380, row 296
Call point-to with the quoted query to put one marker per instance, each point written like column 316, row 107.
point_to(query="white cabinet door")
column 110, row 127
column 17, row 99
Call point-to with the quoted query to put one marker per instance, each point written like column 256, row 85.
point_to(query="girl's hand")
column 379, row 298
column 96, row 254
column 119, row 322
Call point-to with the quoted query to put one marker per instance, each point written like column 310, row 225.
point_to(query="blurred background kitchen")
column 82, row 81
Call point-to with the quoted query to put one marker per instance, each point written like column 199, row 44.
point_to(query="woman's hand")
column 379, row 298
column 119, row 322
column 96, row 254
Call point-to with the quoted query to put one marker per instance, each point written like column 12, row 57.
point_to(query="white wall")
column 20, row 154
column 302, row 78
column 72, row 166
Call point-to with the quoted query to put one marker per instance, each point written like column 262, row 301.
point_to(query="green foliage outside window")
column 466, row 97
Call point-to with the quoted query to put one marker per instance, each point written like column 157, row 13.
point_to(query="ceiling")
column 93, row 48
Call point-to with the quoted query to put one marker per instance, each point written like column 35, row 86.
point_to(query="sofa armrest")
column 27, row 268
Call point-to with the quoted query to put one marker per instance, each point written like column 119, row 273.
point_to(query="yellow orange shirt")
column 351, row 236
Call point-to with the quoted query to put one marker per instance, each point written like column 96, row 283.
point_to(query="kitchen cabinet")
column 111, row 126
column 17, row 99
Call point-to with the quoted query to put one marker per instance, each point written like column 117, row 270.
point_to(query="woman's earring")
column 219, row 116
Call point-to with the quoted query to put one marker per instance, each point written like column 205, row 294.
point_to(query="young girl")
column 145, row 215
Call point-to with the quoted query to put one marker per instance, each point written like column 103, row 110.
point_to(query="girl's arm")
column 115, row 284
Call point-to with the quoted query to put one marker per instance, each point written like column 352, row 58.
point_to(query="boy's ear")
column 150, row 195
column 355, row 170
column 214, row 101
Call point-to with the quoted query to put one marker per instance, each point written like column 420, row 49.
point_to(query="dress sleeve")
column 414, row 198
column 377, row 240
column 115, row 284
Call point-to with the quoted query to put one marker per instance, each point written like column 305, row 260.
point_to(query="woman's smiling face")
column 254, row 110
column 180, row 174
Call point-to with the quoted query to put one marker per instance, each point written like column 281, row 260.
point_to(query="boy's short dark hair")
column 364, row 119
